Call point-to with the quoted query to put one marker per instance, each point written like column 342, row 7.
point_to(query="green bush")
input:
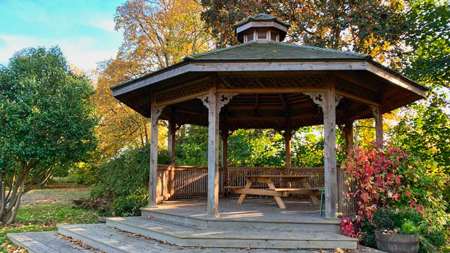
column 407, row 221
column 123, row 182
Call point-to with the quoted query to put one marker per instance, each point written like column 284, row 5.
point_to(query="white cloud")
column 106, row 24
column 81, row 52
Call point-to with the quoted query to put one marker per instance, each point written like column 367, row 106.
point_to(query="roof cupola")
column 261, row 27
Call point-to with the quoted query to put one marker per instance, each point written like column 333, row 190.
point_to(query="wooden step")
column 303, row 224
column 110, row 240
column 45, row 242
column 212, row 238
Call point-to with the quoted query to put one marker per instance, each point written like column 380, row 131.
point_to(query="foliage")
column 192, row 145
column 424, row 133
column 47, row 122
column 44, row 217
column 256, row 148
column 156, row 34
column 391, row 219
column 374, row 175
column 347, row 227
column 407, row 220
column 429, row 41
column 373, row 27
column 122, row 182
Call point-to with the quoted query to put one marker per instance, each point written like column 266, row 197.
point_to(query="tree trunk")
column 10, row 202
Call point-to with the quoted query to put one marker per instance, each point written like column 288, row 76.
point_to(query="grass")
column 45, row 216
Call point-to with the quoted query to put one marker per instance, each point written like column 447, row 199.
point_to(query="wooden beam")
column 329, row 119
column 277, row 90
column 171, row 140
column 153, row 177
column 225, row 134
column 214, row 102
column 378, row 116
column 287, row 147
column 357, row 98
column 348, row 137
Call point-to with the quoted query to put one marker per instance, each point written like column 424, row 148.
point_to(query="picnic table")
column 275, row 192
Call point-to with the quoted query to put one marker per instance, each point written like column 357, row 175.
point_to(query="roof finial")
column 261, row 27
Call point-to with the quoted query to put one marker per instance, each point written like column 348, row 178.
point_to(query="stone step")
column 45, row 242
column 305, row 224
column 110, row 240
column 213, row 237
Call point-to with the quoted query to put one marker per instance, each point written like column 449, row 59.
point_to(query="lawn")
column 43, row 210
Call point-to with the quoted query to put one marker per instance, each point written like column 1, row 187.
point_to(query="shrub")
column 374, row 175
column 122, row 182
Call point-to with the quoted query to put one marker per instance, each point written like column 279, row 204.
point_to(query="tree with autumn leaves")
column 156, row 34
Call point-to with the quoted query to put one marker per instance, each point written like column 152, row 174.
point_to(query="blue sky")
column 84, row 29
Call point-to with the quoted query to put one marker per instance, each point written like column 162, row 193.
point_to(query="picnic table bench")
column 275, row 192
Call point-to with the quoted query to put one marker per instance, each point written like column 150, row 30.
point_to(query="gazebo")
column 265, row 83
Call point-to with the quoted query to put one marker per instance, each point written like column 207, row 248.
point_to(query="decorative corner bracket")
column 319, row 98
column 156, row 112
column 222, row 100
column 375, row 110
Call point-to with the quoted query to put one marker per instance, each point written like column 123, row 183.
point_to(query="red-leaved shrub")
column 374, row 178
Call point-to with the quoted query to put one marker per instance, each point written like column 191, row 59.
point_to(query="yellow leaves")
column 156, row 35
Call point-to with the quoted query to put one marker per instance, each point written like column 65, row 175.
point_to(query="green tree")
column 46, row 120
column 373, row 27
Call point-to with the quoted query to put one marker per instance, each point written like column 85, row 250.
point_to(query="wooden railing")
column 182, row 182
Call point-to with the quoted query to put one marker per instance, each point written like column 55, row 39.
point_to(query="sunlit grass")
column 44, row 217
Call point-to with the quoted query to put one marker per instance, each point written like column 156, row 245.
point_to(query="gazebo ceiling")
column 270, row 82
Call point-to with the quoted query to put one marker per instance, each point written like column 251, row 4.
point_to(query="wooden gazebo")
column 265, row 83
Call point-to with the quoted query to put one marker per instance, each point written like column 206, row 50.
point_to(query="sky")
column 83, row 29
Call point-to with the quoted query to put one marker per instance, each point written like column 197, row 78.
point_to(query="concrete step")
column 45, row 242
column 305, row 224
column 110, row 240
column 214, row 237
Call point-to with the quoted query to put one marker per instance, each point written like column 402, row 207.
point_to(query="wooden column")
column 328, row 101
column 171, row 142
column 348, row 137
column 214, row 103
column 169, row 185
column 378, row 116
column 225, row 134
column 153, row 177
column 287, row 147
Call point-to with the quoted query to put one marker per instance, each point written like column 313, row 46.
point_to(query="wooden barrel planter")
column 397, row 243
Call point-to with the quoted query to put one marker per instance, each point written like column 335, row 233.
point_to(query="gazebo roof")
column 271, row 80
column 275, row 51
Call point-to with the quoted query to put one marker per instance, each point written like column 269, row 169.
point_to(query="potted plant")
column 397, row 230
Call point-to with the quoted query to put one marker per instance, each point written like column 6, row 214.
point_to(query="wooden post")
column 214, row 103
column 287, row 147
column 342, row 177
column 348, row 137
column 225, row 134
column 171, row 142
column 378, row 125
column 169, row 185
column 328, row 101
column 153, row 178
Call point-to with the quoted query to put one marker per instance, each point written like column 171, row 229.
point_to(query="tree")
column 47, row 122
column 373, row 27
column 156, row 35
column 428, row 39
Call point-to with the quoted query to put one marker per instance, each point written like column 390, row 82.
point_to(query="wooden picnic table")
column 275, row 192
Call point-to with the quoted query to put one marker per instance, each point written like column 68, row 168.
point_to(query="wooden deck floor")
column 253, row 209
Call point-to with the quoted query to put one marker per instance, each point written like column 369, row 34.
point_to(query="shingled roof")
column 262, row 17
column 275, row 51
